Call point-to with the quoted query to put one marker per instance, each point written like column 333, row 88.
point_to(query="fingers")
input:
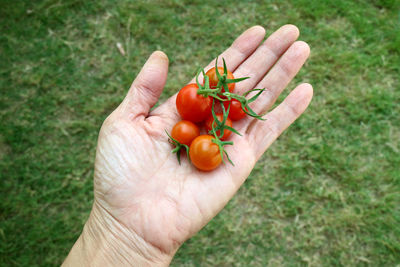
column 147, row 87
column 261, row 134
column 257, row 65
column 240, row 49
column 280, row 75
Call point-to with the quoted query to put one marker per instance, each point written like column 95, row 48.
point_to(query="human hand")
column 146, row 204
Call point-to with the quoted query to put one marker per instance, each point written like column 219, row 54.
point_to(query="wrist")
column 104, row 242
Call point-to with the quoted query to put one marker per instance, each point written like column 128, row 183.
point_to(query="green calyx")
column 222, row 150
column 224, row 95
column 223, row 81
column 178, row 147
column 220, row 125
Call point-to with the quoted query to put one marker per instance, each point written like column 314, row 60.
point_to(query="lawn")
column 326, row 193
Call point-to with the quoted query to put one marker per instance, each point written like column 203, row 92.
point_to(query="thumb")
column 148, row 85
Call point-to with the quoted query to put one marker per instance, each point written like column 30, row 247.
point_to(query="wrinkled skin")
column 143, row 197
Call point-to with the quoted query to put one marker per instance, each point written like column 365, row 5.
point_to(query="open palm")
column 142, row 194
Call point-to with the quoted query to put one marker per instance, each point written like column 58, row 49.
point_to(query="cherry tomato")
column 210, row 121
column 191, row 106
column 211, row 73
column 235, row 112
column 204, row 153
column 184, row 132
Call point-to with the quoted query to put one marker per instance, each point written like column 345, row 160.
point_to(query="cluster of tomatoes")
column 214, row 105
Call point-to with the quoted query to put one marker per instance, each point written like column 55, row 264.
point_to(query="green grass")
column 326, row 193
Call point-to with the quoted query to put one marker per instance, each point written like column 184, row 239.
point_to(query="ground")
column 326, row 193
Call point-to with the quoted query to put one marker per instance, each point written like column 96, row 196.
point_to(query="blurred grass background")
column 327, row 193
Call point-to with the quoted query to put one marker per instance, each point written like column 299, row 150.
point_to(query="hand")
column 146, row 204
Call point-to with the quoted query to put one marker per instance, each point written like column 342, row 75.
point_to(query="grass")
column 326, row 193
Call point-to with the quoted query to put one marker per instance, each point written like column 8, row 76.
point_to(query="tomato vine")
column 220, row 95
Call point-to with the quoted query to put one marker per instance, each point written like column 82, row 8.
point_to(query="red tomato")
column 204, row 153
column 184, row 132
column 191, row 106
column 211, row 73
column 235, row 112
column 210, row 121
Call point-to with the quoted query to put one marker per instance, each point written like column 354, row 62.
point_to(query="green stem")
column 178, row 147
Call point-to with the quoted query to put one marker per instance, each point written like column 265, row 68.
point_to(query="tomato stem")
column 222, row 150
